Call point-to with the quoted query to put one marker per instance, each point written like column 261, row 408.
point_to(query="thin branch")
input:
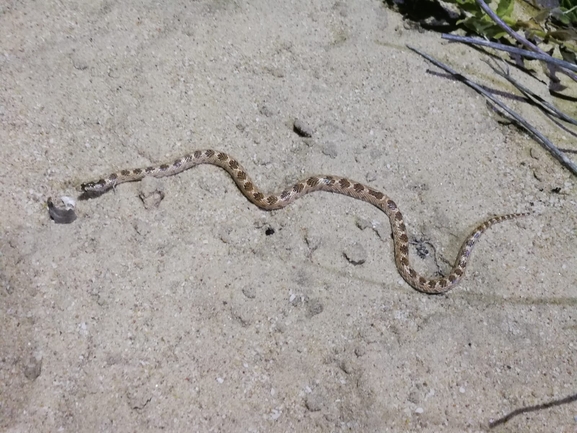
column 553, row 403
column 516, row 35
column 570, row 165
column 508, row 29
column 537, row 100
column 502, row 47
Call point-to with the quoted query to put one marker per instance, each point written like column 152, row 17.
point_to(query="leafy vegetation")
column 552, row 25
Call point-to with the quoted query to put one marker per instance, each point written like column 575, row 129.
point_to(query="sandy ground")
column 206, row 314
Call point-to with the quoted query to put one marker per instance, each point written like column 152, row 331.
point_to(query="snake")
column 330, row 183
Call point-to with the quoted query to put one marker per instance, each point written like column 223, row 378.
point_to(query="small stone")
column 313, row 403
column 143, row 228
column 314, row 307
column 371, row 176
column 355, row 254
column 330, row 150
column 275, row 72
column 151, row 192
column 363, row 223
column 346, row 366
column 249, row 292
column 265, row 110
column 313, row 241
column 382, row 231
column 302, row 129
column 59, row 215
column 33, row 367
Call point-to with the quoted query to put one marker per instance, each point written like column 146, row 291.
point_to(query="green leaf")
column 505, row 8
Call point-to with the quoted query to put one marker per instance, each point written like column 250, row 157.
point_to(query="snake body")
column 335, row 184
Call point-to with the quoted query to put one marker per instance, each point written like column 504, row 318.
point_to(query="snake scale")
column 335, row 184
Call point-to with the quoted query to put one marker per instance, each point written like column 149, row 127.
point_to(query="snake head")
column 93, row 186
column 94, row 189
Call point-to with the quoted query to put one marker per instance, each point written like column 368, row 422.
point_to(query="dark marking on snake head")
column 344, row 183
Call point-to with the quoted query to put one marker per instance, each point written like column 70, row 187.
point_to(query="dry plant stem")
column 534, row 132
column 508, row 29
column 516, row 36
column 537, row 100
column 502, row 47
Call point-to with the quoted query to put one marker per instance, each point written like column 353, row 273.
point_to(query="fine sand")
column 202, row 313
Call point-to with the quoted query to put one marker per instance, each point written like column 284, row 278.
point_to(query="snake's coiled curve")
column 335, row 184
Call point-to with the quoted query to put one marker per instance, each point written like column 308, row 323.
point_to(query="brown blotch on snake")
column 312, row 181
column 335, row 184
